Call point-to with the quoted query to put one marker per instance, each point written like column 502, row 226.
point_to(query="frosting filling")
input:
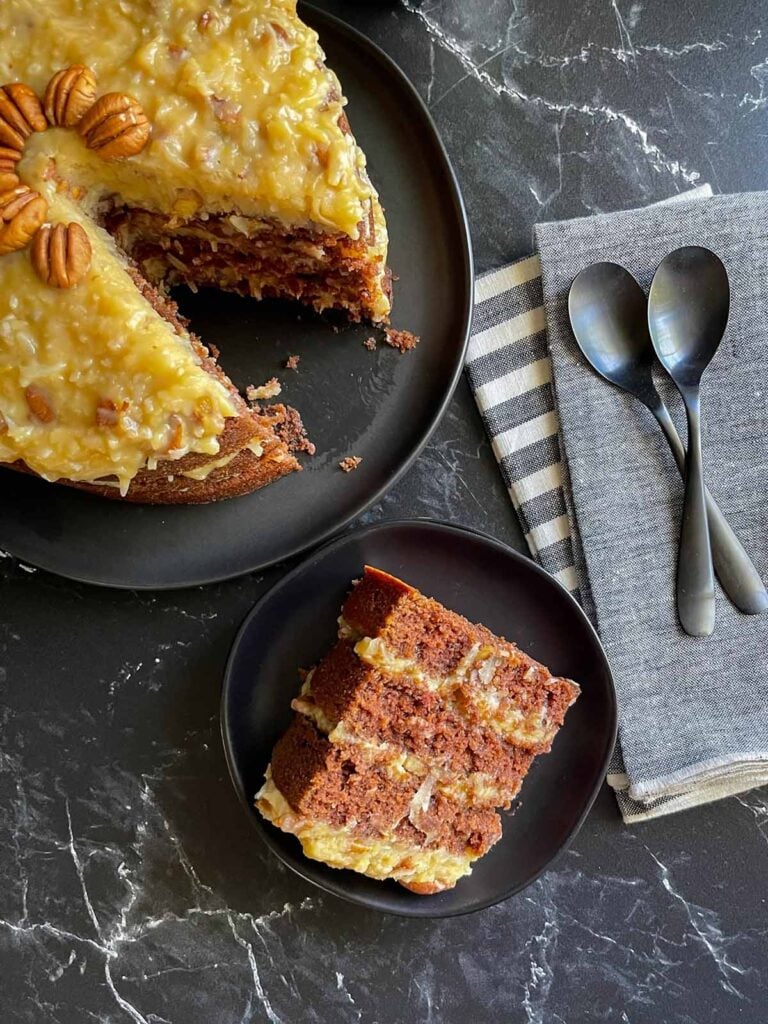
column 469, row 688
column 378, row 857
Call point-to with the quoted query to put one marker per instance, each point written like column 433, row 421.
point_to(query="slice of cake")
column 148, row 143
column 409, row 734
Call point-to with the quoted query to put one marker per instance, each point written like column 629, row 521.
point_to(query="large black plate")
column 382, row 406
column 295, row 623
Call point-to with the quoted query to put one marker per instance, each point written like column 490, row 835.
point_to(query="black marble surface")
column 132, row 886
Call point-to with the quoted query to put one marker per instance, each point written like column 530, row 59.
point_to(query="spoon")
column 687, row 312
column 608, row 312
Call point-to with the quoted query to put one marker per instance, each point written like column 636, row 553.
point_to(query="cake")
column 408, row 737
column 144, row 144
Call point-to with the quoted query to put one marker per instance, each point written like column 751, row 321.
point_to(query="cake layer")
column 388, row 716
column 401, row 632
column 420, row 870
column 337, row 787
column 259, row 258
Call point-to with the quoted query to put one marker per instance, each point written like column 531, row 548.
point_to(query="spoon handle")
column 739, row 578
column 695, row 575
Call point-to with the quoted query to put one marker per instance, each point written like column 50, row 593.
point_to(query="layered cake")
column 408, row 737
column 147, row 143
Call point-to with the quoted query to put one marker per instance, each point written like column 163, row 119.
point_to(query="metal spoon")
column 608, row 311
column 687, row 312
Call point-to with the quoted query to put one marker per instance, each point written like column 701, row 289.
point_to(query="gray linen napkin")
column 600, row 502
column 693, row 713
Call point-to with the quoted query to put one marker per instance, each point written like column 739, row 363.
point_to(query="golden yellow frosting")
column 244, row 112
column 97, row 345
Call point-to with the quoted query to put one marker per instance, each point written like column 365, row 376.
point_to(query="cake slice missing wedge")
column 192, row 142
column 251, row 179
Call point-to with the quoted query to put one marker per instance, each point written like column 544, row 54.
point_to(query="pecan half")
column 61, row 255
column 9, row 157
column 21, row 113
column 39, row 404
column 115, row 127
column 69, row 94
column 22, row 211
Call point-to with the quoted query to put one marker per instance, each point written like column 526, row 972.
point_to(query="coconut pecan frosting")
column 114, row 126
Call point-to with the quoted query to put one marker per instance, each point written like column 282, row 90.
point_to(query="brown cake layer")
column 489, row 679
column 336, row 785
column 327, row 271
column 415, row 627
column 379, row 708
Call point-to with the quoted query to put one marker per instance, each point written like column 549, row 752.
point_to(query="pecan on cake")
column 408, row 737
column 147, row 143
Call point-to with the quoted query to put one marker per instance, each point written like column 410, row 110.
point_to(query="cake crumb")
column 403, row 341
column 269, row 390
column 292, row 362
column 291, row 430
column 214, row 350
column 350, row 462
column 370, row 344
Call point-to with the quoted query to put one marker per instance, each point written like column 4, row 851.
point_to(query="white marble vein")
column 707, row 928
column 601, row 112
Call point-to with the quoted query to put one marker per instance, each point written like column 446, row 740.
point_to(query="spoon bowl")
column 608, row 312
column 688, row 311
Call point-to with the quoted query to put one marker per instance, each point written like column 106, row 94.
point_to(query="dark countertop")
column 132, row 886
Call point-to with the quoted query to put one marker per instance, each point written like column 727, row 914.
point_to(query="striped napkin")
column 510, row 374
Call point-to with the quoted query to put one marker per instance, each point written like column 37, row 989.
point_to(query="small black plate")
column 295, row 623
column 380, row 405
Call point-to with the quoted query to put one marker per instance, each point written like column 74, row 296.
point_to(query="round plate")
column 380, row 405
column 295, row 624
